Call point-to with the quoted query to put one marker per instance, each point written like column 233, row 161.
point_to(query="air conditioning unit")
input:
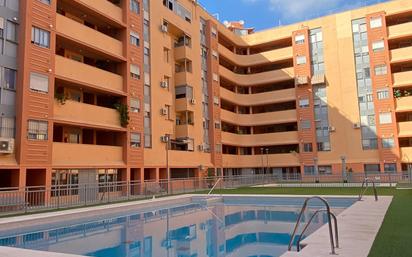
column 200, row 148
column 357, row 125
column 164, row 139
column 6, row 145
column 163, row 111
column 193, row 101
column 164, row 28
column 164, row 84
column 332, row 129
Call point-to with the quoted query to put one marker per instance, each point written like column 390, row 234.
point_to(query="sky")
column 263, row 14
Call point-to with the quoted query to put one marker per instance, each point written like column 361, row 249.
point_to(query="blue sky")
column 263, row 14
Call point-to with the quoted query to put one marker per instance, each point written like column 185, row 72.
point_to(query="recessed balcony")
column 86, row 114
column 78, row 32
column 83, row 155
column 281, row 138
column 399, row 30
column 80, row 73
column 260, row 118
column 404, row 104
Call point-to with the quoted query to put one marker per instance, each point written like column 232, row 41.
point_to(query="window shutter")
column 134, row 69
column 39, row 82
column 1, row 23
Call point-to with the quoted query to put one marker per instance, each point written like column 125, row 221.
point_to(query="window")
column 135, row 140
column 325, row 170
column 390, row 167
column 10, row 78
column 301, row 60
column 215, row 54
column 323, row 146
column 39, row 82
column 37, row 130
column 307, row 147
column 385, row 117
column 372, row 168
column 381, row 69
column 40, row 37
column 215, row 77
column 303, row 103
column 305, row 124
column 11, row 31
column 134, row 71
column 184, row 92
column 214, row 32
column 369, row 144
column 218, row 148
column 309, row 170
column 378, row 46
column 388, row 142
column 134, row 38
column 218, row 125
column 383, row 94
column 166, row 54
column 376, row 22
column 135, row 105
column 134, row 6
column 299, row 39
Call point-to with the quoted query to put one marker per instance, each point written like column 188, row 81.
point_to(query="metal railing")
column 363, row 191
column 15, row 200
column 335, row 221
column 329, row 215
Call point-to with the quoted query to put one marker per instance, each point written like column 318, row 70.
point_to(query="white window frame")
column 304, row 103
column 135, row 105
column 299, row 39
column 135, row 140
column 385, row 118
column 301, row 60
column 134, row 38
column 37, row 80
column 381, row 69
column 135, row 71
column 376, row 22
column 378, row 46
column 382, row 93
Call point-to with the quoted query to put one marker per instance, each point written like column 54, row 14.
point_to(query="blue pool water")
column 240, row 226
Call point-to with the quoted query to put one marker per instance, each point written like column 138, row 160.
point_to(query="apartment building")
column 132, row 90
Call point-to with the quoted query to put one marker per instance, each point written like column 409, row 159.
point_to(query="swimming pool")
column 234, row 226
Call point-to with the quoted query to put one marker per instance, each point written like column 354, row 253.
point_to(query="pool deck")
column 358, row 227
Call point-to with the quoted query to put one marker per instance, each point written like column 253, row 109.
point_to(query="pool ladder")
column 330, row 215
column 366, row 182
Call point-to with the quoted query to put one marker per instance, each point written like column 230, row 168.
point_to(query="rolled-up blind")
column 39, row 82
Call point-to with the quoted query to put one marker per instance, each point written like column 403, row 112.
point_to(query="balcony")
column 404, row 104
column 258, row 78
column 257, row 59
column 78, row 32
column 185, row 130
column 184, row 104
column 272, row 97
column 260, row 118
column 104, row 8
column 405, row 129
column 406, row 153
column 87, row 115
column 401, row 54
column 401, row 79
column 82, row 155
column 250, row 161
column 400, row 30
column 281, row 138
column 183, row 78
column 183, row 52
column 80, row 73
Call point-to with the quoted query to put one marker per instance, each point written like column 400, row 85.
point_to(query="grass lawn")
column 395, row 235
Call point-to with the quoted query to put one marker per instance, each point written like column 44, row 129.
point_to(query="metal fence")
column 32, row 199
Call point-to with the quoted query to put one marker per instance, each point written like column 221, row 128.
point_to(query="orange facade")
column 117, row 91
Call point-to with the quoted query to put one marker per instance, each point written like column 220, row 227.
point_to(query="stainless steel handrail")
column 305, row 204
column 214, row 186
column 362, row 192
column 310, row 221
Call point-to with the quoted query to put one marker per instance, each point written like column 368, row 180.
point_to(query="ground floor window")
column 390, row 167
column 65, row 182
